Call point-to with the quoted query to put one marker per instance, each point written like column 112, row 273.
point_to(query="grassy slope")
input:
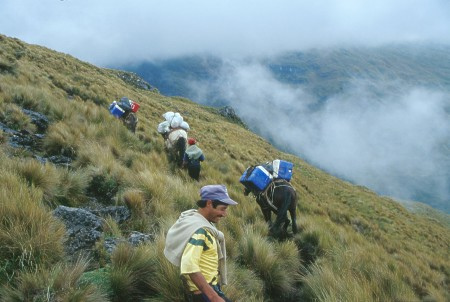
column 355, row 245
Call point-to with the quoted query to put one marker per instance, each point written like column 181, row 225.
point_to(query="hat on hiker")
column 216, row 192
column 191, row 141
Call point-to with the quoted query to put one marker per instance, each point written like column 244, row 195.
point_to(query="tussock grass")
column 72, row 187
column 111, row 228
column 103, row 186
column 27, row 96
column 29, row 234
column 59, row 283
column 166, row 280
column 105, row 174
column 132, row 272
column 317, row 236
column 43, row 176
column 118, row 136
column 152, row 185
column 135, row 201
column 13, row 117
column 278, row 268
column 236, row 228
column 243, row 284
column 249, row 209
column 37, row 99
column 59, row 185
column 62, row 139
column 158, row 163
column 166, row 194
column 356, row 275
column 93, row 113
column 7, row 67
column 92, row 153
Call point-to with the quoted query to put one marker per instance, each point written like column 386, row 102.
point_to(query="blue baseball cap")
column 216, row 192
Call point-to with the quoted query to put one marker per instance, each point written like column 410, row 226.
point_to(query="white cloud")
column 394, row 144
column 111, row 32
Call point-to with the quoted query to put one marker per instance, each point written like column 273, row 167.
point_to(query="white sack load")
column 164, row 127
column 176, row 120
column 168, row 116
column 185, row 126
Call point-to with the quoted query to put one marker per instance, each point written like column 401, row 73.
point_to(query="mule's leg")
column 265, row 210
column 286, row 224
column 177, row 151
column 132, row 122
column 267, row 216
column 281, row 220
column 294, row 220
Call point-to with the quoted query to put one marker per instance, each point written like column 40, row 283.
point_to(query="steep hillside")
column 353, row 245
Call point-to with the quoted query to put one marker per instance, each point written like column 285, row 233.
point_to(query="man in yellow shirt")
column 195, row 245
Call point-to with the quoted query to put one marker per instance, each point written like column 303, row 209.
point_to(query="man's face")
column 215, row 214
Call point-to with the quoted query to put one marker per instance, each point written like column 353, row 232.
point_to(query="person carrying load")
column 192, row 158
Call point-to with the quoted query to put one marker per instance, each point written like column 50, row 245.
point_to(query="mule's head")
column 247, row 191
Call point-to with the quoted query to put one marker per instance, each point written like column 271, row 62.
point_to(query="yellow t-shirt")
column 200, row 255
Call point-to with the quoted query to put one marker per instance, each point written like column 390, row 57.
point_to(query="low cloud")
column 117, row 32
column 395, row 143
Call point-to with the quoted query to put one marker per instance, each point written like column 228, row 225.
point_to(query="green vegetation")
column 353, row 245
column 59, row 283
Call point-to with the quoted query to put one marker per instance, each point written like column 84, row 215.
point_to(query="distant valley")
column 377, row 117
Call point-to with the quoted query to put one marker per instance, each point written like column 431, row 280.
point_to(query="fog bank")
column 395, row 143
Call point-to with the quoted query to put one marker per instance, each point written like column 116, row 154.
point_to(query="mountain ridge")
column 312, row 66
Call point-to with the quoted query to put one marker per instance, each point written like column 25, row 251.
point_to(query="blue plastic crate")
column 282, row 169
column 256, row 177
column 116, row 111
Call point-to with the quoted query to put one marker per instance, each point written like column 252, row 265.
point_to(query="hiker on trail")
column 195, row 245
column 192, row 158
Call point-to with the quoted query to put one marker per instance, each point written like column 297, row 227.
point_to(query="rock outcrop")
column 229, row 113
column 133, row 79
column 84, row 228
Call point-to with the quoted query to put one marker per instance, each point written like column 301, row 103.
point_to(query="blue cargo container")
column 116, row 111
column 257, row 177
column 282, row 169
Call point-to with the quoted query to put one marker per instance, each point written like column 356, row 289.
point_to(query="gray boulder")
column 40, row 120
column 118, row 213
column 83, row 229
column 137, row 238
column 134, row 239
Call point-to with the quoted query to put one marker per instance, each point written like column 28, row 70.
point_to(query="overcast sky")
column 111, row 32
